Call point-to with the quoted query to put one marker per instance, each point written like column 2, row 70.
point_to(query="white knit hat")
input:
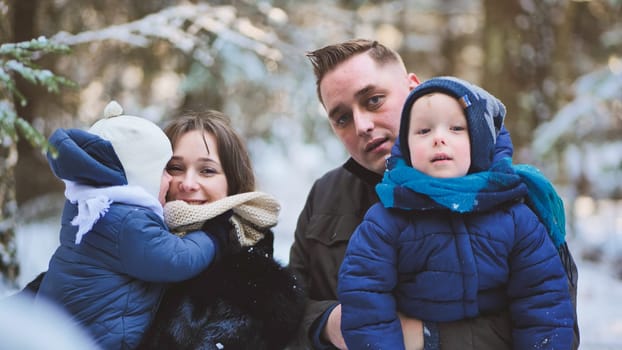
column 142, row 147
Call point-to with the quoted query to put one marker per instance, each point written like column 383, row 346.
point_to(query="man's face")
column 364, row 104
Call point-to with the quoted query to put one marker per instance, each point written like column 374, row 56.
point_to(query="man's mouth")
column 375, row 143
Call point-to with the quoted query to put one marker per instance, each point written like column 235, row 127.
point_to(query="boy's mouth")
column 440, row 157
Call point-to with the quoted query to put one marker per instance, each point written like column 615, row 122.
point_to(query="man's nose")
column 363, row 121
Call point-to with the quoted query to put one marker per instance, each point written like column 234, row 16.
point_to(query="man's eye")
column 375, row 101
column 342, row 120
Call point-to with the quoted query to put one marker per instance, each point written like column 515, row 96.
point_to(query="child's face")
column 164, row 185
column 197, row 175
column 438, row 137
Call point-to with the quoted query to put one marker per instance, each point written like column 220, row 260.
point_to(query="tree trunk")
column 31, row 161
column 528, row 62
column 9, row 266
column 502, row 41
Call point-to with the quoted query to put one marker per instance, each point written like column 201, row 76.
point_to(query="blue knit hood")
column 484, row 114
column 85, row 158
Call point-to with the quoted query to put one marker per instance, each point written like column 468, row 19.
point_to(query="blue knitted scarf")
column 404, row 187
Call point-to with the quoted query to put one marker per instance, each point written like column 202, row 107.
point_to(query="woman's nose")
column 188, row 183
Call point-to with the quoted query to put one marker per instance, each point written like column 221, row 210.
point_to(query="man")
column 363, row 85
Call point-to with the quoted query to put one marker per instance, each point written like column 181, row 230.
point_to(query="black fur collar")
column 245, row 301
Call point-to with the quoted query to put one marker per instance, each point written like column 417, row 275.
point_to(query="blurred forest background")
column 556, row 64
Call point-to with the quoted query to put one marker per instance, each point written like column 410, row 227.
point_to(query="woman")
column 245, row 300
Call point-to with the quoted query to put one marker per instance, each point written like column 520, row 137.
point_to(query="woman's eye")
column 208, row 171
column 173, row 169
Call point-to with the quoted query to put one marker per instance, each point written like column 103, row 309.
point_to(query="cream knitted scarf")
column 253, row 212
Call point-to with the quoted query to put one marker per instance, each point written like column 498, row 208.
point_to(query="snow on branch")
column 185, row 27
column 594, row 112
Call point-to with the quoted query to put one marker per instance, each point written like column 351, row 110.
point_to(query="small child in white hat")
column 116, row 252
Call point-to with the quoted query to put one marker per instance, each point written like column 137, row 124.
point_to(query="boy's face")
column 364, row 103
column 164, row 185
column 438, row 137
column 197, row 174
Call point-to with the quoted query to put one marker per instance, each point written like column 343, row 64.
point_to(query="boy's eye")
column 422, row 131
column 458, row 128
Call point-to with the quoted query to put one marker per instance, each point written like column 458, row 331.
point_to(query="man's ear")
column 413, row 81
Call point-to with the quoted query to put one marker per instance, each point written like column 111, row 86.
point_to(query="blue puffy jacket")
column 113, row 280
column 437, row 266
column 434, row 264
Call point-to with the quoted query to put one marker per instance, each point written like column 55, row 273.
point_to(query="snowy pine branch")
column 18, row 59
column 186, row 27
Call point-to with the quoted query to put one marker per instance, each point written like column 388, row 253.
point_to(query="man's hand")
column 411, row 327
column 332, row 330
column 413, row 332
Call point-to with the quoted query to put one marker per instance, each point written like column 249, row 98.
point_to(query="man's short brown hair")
column 328, row 57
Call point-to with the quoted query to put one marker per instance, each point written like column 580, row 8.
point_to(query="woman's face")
column 197, row 175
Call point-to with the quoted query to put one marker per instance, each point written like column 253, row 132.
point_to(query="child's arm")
column 541, row 308
column 367, row 278
column 151, row 253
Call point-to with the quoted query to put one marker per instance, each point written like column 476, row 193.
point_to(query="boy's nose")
column 439, row 138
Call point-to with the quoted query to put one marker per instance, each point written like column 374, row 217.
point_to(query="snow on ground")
column 599, row 294
column 598, row 307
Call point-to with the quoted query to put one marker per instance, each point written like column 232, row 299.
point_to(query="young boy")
column 115, row 251
column 451, row 238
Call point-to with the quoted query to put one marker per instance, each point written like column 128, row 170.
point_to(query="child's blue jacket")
column 111, row 283
column 435, row 264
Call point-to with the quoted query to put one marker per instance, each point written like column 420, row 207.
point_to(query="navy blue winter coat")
column 113, row 280
column 439, row 265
